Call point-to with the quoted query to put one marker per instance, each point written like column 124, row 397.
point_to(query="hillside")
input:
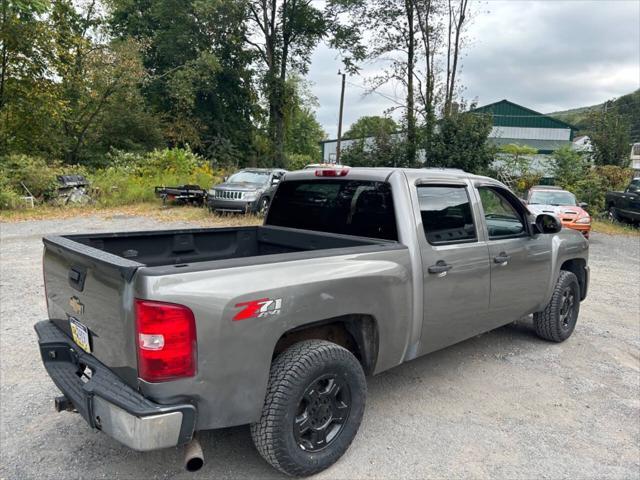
column 627, row 105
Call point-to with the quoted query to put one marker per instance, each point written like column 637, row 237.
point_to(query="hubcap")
column 567, row 307
column 322, row 413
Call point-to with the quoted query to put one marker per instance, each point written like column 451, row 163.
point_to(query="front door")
column 520, row 262
column 455, row 264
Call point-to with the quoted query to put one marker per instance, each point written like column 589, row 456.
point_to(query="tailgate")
column 87, row 285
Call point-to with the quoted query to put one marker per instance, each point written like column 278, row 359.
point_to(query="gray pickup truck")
column 154, row 336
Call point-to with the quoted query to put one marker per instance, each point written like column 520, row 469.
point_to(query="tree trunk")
column 456, row 48
column 411, row 117
column 5, row 55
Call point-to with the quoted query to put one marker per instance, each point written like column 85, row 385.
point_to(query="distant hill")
column 627, row 105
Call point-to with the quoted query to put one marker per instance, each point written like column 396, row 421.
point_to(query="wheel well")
column 356, row 333
column 577, row 267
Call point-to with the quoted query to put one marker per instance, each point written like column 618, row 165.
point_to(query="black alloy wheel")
column 322, row 413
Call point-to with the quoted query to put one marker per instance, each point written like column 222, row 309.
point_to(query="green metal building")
column 515, row 124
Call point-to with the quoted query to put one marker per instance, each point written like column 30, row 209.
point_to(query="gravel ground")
column 501, row 405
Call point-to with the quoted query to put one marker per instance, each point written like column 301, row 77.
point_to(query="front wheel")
column 612, row 214
column 558, row 320
column 263, row 205
column 313, row 408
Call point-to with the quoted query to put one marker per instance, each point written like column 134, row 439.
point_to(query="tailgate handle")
column 77, row 276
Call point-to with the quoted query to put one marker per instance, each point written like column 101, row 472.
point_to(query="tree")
column 62, row 78
column 199, row 74
column 609, row 137
column 458, row 20
column 460, row 141
column 28, row 96
column 515, row 157
column 283, row 34
column 303, row 133
column 569, row 167
column 370, row 126
column 381, row 150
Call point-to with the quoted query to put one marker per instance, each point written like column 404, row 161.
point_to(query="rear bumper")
column 106, row 402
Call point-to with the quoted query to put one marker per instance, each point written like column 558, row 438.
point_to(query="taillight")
column 332, row 172
column 166, row 341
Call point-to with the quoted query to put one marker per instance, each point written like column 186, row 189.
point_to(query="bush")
column 593, row 187
column 131, row 178
column 298, row 161
column 9, row 198
column 33, row 172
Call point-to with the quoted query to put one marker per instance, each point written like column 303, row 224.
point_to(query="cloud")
column 545, row 55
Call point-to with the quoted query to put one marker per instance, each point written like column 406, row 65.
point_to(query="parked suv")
column 249, row 190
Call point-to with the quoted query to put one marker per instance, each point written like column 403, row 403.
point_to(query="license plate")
column 80, row 334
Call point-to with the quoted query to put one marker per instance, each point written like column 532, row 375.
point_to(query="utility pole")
column 340, row 118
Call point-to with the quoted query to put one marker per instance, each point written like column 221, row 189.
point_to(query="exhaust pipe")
column 193, row 456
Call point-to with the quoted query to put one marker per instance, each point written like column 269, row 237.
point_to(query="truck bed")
column 93, row 278
column 173, row 247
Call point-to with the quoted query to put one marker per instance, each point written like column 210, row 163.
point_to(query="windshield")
column 249, row 176
column 552, row 197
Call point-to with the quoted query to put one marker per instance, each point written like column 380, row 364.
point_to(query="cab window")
column 446, row 214
column 501, row 216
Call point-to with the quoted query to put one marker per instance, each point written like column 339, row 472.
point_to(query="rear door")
column 520, row 262
column 455, row 264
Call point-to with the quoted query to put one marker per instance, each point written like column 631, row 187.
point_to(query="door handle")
column 502, row 258
column 440, row 267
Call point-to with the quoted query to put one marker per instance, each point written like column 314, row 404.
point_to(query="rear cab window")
column 347, row 207
column 446, row 214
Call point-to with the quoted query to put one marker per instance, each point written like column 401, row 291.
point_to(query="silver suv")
column 249, row 190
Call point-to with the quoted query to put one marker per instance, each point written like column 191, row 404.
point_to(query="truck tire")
column 612, row 213
column 263, row 205
column 558, row 320
column 313, row 407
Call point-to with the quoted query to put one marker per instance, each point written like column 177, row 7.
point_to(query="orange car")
column 563, row 204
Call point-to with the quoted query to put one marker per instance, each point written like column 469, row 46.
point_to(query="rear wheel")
column 313, row 408
column 558, row 320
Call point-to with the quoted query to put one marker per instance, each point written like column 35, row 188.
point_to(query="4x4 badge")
column 263, row 307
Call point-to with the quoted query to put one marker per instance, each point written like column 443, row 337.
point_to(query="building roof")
column 509, row 114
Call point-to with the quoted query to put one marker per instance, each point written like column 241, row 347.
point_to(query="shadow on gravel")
column 230, row 452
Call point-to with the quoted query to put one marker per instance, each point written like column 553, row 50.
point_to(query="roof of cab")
column 383, row 173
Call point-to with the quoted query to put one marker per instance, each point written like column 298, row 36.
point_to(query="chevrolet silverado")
column 154, row 336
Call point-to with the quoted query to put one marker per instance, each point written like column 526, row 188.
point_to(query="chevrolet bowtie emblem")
column 76, row 305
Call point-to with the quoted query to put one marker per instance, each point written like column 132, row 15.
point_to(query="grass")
column 614, row 228
column 197, row 215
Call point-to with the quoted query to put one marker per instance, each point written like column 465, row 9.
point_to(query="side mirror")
column 546, row 223
column 275, row 181
column 224, row 179
column 583, row 204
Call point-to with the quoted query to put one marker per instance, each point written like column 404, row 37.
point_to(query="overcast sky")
column 547, row 55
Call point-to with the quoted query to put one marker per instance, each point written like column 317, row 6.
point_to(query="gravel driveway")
column 501, row 405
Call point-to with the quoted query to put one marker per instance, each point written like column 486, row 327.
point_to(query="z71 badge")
column 263, row 307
